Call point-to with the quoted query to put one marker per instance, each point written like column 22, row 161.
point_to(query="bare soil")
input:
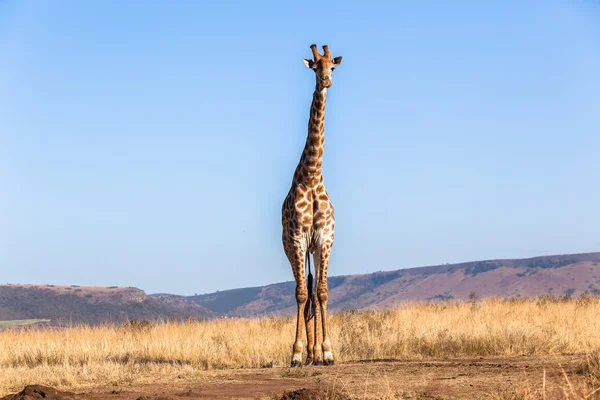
column 476, row 378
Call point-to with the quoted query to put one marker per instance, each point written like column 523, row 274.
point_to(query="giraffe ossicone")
column 308, row 223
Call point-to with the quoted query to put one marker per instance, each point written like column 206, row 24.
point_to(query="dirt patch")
column 313, row 394
column 472, row 378
column 35, row 392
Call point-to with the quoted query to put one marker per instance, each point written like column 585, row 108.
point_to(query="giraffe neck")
column 309, row 168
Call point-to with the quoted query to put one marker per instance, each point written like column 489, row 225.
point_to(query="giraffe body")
column 308, row 224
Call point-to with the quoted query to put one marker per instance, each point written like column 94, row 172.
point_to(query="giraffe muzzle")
column 326, row 82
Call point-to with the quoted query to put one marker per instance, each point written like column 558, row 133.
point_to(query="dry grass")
column 582, row 390
column 85, row 356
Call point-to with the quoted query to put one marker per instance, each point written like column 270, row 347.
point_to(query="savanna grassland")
column 502, row 348
column 21, row 322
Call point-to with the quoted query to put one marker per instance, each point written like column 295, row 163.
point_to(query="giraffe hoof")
column 317, row 362
column 309, row 361
column 329, row 362
column 296, row 364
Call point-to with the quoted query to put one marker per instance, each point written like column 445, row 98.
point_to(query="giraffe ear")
column 309, row 63
column 337, row 61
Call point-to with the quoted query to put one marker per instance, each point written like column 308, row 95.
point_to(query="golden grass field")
column 84, row 357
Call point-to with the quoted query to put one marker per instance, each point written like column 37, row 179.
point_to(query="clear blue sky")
column 151, row 143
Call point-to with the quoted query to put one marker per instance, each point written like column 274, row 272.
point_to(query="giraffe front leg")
column 297, row 261
column 301, row 296
column 295, row 254
column 323, row 296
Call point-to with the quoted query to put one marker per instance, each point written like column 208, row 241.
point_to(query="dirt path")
column 431, row 379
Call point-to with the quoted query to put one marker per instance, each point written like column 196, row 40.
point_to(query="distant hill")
column 559, row 274
column 90, row 304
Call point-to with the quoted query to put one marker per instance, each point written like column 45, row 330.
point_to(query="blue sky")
column 151, row 143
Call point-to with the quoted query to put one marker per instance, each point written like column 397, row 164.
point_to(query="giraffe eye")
column 332, row 69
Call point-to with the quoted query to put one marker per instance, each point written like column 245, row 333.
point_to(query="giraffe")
column 308, row 225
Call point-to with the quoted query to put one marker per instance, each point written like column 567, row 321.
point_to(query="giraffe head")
column 323, row 65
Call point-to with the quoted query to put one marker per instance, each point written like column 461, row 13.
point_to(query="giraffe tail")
column 310, row 303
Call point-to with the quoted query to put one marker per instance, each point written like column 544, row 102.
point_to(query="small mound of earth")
column 35, row 392
column 154, row 398
column 312, row 394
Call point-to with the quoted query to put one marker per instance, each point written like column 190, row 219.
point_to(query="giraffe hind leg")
column 309, row 316
column 317, row 349
column 323, row 297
